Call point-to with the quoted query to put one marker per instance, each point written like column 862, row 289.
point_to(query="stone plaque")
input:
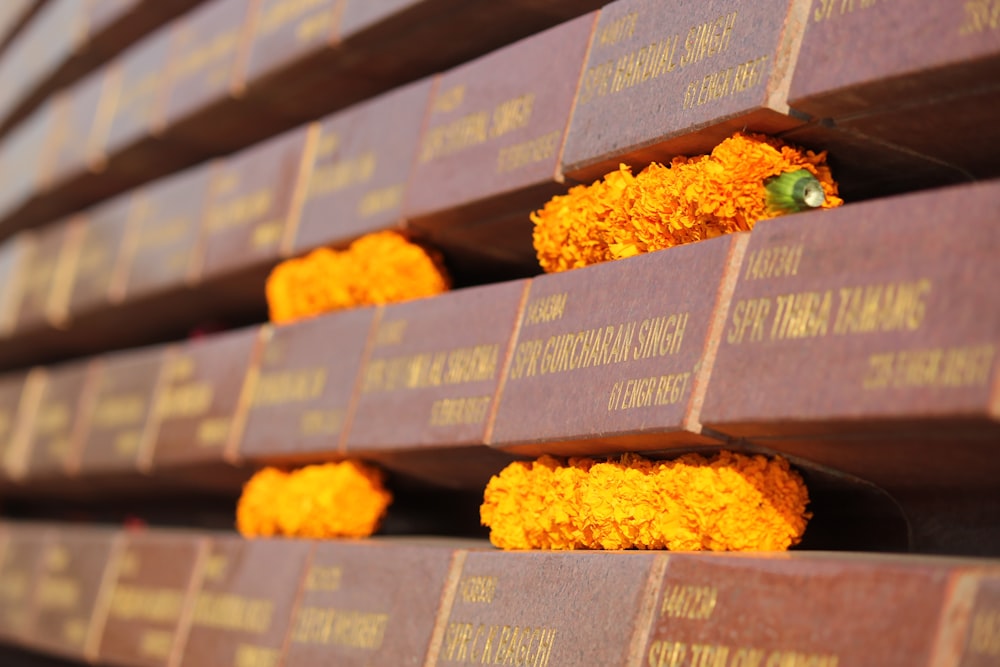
column 20, row 568
column 617, row 356
column 363, row 160
column 202, row 405
column 64, row 407
column 166, row 217
column 289, row 31
column 19, row 393
column 672, row 78
column 981, row 642
column 308, row 374
column 244, row 605
column 13, row 253
column 118, row 433
column 797, row 609
column 71, row 151
column 142, row 76
column 72, row 593
column 847, row 67
column 252, row 199
column 21, row 164
column 154, row 587
column 544, row 608
column 493, row 136
column 868, row 318
column 368, row 603
column 98, row 278
column 45, row 281
column 432, row 375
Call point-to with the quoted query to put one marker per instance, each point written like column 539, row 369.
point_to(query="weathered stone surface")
column 432, row 375
column 99, row 273
column 493, row 137
column 303, row 394
column 363, row 160
column 545, row 608
column 368, row 603
column 253, row 197
column 617, row 356
column 675, row 78
column 243, row 607
column 64, row 408
column 202, row 405
column 153, row 588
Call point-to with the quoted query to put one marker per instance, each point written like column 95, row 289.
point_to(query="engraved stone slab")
column 201, row 408
column 19, row 571
column 21, row 164
column 71, row 150
column 432, row 375
column 71, row 594
column 826, row 336
column 253, row 196
column 363, row 160
column 796, row 609
column 19, row 393
column 368, row 603
column 45, row 279
column 98, row 277
column 118, row 432
column 154, row 585
column 166, row 217
column 981, row 645
column 13, row 252
column 618, row 355
column 244, row 606
column 847, row 67
column 686, row 74
column 494, row 134
column 64, row 409
column 545, row 608
column 286, row 32
column 308, row 374
column 140, row 91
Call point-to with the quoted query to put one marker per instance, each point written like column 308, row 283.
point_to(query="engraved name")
column 949, row 367
column 680, row 654
column 477, row 589
column 827, row 9
column 339, row 627
column 342, row 174
column 146, row 603
column 477, row 363
column 120, row 410
column 980, row 16
column 283, row 387
column 984, row 638
column 477, row 127
column 694, row 603
column 497, row 644
column 228, row 611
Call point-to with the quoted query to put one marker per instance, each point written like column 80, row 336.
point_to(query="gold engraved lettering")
column 239, row 211
column 528, row 152
column 74, row 630
column 980, row 16
column 52, row 418
column 156, row 643
column 464, row 132
column 694, row 603
column 267, row 234
column 498, row 644
column 882, row 308
column 248, row 655
column 432, row 369
column 215, row 568
column 179, row 369
column 314, row 27
column 478, row 589
column 512, row 114
column 342, row 174
column 356, row 629
column 802, row 315
column 127, row 443
column 390, row 333
column 192, row 399
column 58, row 592
column 453, row 411
column 212, row 431
column 664, row 653
column 618, row 30
column 13, row 586
column 156, row 605
column 545, row 309
column 776, row 262
column 449, row 100
column 953, row 367
column 120, row 410
column 708, row 39
column 215, row 49
column 324, row 578
column 826, row 8
column 321, row 422
column 656, row 390
column 285, row 11
column 289, row 386
column 328, row 142
column 984, row 639
column 747, row 320
column 228, row 611
column 725, row 82
column 380, row 200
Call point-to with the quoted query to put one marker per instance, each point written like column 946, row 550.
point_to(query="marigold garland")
column 377, row 268
column 345, row 499
column 694, row 198
column 730, row 502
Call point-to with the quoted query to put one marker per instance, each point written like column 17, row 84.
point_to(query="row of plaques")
column 638, row 80
column 165, row 598
column 805, row 336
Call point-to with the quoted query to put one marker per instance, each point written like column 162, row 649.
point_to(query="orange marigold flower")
column 691, row 199
column 730, row 502
column 345, row 499
column 377, row 268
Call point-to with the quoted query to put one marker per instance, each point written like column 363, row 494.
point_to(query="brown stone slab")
column 799, row 609
column 253, row 197
column 368, row 603
column 544, row 608
column 671, row 78
column 118, row 433
column 432, row 376
column 65, row 405
column 19, row 573
column 493, row 136
column 363, row 160
column 618, row 355
column 99, row 276
column 826, row 336
column 166, row 216
column 73, row 591
column 82, row 110
column 847, row 67
column 21, row 161
column 202, row 406
column 980, row 646
column 13, row 253
column 304, row 390
column 154, row 586
column 243, row 608
column 45, row 284
column 19, row 392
